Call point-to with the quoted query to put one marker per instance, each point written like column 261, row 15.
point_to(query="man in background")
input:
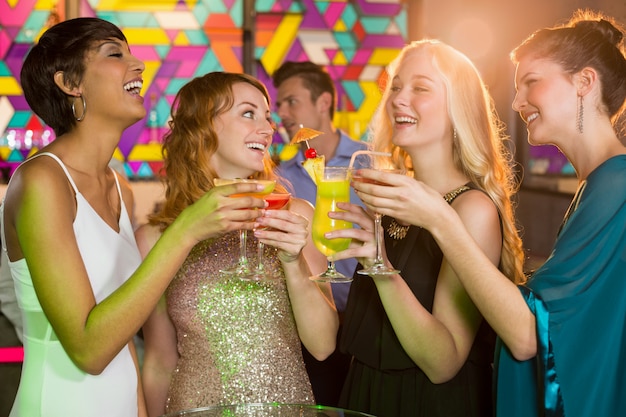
column 306, row 97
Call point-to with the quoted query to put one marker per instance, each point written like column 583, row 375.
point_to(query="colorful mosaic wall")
column 178, row 40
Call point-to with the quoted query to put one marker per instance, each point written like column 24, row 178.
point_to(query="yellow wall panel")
column 383, row 56
column 9, row 87
column 278, row 47
column 146, row 36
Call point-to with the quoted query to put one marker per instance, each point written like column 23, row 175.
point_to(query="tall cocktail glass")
column 333, row 187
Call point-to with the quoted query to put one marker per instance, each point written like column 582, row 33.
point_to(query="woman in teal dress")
column 562, row 338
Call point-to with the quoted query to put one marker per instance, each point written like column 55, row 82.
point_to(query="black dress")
column 383, row 380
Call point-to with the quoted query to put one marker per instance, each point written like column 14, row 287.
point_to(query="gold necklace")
column 398, row 232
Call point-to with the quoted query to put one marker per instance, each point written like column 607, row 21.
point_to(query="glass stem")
column 378, row 239
column 331, row 268
column 243, row 237
column 260, row 249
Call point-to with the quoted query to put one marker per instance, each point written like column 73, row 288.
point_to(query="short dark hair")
column 314, row 77
column 63, row 47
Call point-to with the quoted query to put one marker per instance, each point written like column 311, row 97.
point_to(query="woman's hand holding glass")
column 407, row 200
column 275, row 201
column 263, row 187
column 285, row 230
column 216, row 213
column 378, row 267
column 362, row 243
column 376, row 190
column 333, row 187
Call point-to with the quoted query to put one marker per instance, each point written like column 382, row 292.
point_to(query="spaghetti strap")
column 69, row 177
column 67, row 173
column 117, row 184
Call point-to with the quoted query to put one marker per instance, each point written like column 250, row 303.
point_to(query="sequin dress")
column 237, row 340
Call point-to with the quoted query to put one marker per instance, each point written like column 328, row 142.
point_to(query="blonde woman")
column 420, row 346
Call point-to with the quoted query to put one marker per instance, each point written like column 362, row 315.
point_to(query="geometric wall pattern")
column 179, row 40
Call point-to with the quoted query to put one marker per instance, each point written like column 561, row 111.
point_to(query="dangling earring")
column 579, row 115
column 82, row 116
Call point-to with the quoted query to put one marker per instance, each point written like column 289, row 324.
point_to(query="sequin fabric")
column 237, row 340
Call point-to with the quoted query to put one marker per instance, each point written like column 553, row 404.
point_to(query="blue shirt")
column 302, row 186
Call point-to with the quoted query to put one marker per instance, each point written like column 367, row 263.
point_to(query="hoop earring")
column 579, row 115
column 82, row 116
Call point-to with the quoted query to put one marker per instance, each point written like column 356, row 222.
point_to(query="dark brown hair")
column 589, row 39
column 63, row 47
column 314, row 78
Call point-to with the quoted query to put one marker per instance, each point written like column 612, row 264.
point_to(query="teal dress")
column 579, row 299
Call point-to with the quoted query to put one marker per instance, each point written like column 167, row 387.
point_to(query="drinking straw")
column 365, row 152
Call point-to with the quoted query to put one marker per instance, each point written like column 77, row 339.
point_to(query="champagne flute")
column 275, row 201
column 242, row 269
column 332, row 188
column 381, row 162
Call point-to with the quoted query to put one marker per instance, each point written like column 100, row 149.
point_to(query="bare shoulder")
column 146, row 236
column 46, row 169
column 476, row 209
column 40, row 180
column 480, row 216
column 302, row 207
column 39, row 200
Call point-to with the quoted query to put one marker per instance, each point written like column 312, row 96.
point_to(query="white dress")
column 51, row 385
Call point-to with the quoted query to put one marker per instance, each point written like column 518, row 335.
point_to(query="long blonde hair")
column 479, row 147
column 192, row 140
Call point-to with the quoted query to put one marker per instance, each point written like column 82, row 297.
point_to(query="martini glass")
column 380, row 161
column 275, row 201
column 242, row 268
column 378, row 267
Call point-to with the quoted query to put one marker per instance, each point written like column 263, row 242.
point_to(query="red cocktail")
column 276, row 200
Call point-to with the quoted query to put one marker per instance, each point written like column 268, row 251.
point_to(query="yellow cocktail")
column 329, row 193
column 333, row 188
